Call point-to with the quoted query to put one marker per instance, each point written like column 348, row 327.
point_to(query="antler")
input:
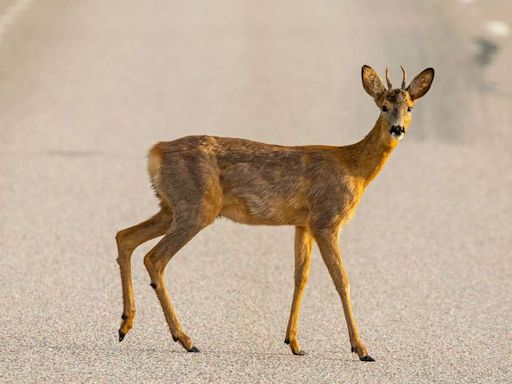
column 404, row 79
column 387, row 78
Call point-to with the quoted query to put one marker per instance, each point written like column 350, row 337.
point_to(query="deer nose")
column 397, row 129
column 397, row 132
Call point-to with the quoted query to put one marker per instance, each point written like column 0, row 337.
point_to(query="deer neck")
column 366, row 158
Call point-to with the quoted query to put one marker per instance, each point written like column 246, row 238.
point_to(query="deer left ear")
column 372, row 83
column 421, row 84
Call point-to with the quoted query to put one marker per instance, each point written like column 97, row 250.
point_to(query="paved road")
column 87, row 87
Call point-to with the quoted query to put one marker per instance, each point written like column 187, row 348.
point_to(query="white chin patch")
column 398, row 136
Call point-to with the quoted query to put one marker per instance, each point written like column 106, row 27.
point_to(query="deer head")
column 395, row 104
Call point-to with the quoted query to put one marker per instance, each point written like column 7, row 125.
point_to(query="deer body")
column 256, row 183
column 315, row 188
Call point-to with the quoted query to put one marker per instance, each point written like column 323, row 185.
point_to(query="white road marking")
column 497, row 28
column 11, row 14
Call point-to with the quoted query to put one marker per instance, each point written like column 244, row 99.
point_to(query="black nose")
column 397, row 129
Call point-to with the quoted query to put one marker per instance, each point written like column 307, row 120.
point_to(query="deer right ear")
column 372, row 82
column 421, row 84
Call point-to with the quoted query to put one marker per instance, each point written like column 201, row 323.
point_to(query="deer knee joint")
column 124, row 245
column 301, row 281
column 120, row 236
column 148, row 263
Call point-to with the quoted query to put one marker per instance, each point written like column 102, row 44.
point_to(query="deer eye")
column 384, row 108
column 409, row 109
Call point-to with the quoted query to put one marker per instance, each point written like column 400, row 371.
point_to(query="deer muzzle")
column 397, row 132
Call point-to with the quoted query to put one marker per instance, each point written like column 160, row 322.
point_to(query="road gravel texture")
column 87, row 87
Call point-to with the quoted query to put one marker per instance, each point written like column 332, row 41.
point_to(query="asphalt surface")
column 87, row 87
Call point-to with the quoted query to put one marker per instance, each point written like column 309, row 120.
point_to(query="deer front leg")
column 331, row 254
column 303, row 244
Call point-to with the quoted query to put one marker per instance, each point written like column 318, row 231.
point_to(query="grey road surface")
column 87, row 87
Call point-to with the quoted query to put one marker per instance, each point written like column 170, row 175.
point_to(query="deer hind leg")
column 127, row 240
column 331, row 254
column 303, row 244
column 183, row 230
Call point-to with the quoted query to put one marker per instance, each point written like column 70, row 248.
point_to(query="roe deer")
column 316, row 188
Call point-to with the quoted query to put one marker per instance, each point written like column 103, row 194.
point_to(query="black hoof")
column 299, row 353
column 287, row 341
column 153, row 285
column 193, row 349
column 366, row 358
column 353, row 349
column 121, row 335
column 175, row 338
column 124, row 317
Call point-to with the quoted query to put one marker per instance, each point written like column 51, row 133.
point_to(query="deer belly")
column 261, row 211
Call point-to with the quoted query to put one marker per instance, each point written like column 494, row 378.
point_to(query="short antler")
column 387, row 78
column 404, row 79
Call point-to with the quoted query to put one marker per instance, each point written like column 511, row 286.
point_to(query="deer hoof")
column 121, row 335
column 366, row 358
column 353, row 349
column 175, row 338
column 193, row 349
column 287, row 341
column 299, row 353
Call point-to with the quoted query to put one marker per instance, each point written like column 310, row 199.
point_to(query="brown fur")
column 314, row 188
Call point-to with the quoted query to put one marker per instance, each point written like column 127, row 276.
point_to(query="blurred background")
column 87, row 87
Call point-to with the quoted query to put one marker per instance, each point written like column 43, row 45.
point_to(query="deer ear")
column 421, row 84
column 372, row 82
